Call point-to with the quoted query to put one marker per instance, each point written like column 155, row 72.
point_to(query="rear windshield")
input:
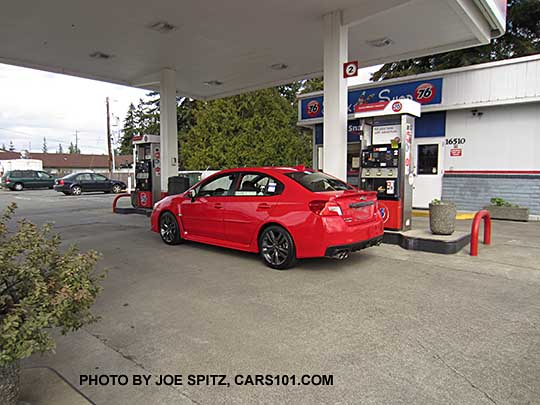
column 318, row 182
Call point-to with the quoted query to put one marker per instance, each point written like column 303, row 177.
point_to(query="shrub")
column 501, row 202
column 41, row 287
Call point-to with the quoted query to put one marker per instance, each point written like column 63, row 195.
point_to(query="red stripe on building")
column 492, row 172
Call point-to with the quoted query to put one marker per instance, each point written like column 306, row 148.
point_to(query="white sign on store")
column 384, row 134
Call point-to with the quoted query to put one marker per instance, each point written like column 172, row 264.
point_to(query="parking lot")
column 390, row 325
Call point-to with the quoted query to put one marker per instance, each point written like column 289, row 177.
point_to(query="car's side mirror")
column 192, row 194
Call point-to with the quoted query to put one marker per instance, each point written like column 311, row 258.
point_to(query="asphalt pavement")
column 389, row 325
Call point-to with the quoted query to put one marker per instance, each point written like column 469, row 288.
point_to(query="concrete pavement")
column 390, row 325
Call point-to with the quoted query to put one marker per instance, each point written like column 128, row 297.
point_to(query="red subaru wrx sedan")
column 282, row 213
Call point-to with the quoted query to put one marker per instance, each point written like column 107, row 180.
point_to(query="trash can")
column 177, row 185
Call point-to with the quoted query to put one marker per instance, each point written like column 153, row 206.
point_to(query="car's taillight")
column 61, row 182
column 325, row 208
column 7, row 181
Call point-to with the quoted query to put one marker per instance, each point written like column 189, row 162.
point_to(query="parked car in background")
column 18, row 180
column 77, row 183
column 282, row 213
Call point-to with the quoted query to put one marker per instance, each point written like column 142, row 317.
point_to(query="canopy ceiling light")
column 162, row 27
column 279, row 66
column 100, row 55
column 380, row 42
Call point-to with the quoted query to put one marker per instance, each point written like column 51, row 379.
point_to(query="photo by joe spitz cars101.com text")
column 282, row 213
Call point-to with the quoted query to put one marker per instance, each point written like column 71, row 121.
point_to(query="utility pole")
column 76, row 141
column 109, row 146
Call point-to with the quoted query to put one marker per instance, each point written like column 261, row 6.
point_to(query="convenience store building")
column 478, row 136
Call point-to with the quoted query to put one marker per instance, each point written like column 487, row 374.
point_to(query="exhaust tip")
column 341, row 255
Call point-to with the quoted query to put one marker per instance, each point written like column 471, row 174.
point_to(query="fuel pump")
column 386, row 161
column 147, row 171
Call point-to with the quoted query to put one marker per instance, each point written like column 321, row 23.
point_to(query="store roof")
column 220, row 48
column 69, row 160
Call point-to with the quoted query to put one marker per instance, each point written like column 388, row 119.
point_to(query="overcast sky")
column 36, row 104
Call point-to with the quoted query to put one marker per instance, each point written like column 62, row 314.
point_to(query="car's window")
column 99, row 177
column 29, row 174
column 217, row 187
column 318, row 181
column 257, row 184
column 44, row 176
column 15, row 174
column 84, row 177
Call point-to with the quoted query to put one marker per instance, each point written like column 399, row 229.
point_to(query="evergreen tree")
column 60, row 148
column 11, row 146
column 72, row 148
column 130, row 129
column 44, row 147
column 522, row 38
column 185, row 113
column 251, row 129
column 3, row 146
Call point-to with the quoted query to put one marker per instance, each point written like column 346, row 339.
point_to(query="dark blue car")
column 77, row 183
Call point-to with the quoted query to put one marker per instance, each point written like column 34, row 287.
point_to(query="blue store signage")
column 426, row 92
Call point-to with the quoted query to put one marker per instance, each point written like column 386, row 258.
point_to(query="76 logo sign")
column 424, row 93
column 313, row 108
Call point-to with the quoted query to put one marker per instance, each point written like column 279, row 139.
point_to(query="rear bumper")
column 60, row 188
column 319, row 235
column 352, row 247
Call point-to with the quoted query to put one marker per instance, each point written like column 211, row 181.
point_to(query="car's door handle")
column 218, row 205
column 264, row 206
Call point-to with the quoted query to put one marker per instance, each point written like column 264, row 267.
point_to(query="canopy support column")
column 168, row 127
column 336, row 37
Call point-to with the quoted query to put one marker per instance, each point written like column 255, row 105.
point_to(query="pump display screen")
column 380, row 156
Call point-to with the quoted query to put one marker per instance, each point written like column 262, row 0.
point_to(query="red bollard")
column 483, row 214
column 115, row 201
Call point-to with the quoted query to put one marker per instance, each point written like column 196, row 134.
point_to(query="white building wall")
column 502, row 138
column 492, row 83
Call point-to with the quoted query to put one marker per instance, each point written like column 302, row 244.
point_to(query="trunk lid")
column 357, row 206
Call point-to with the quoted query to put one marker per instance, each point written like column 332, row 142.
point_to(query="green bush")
column 41, row 287
column 501, row 202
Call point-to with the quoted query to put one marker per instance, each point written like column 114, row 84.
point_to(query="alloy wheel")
column 168, row 229
column 76, row 190
column 275, row 247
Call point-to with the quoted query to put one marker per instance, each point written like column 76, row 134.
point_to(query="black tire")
column 276, row 248
column 18, row 187
column 76, row 190
column 65, row 192
column 169, row 229
column 116, row 188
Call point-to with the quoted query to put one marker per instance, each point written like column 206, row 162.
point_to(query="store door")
column 429, row 171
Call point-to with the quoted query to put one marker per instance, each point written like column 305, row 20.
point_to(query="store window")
column 428, row 159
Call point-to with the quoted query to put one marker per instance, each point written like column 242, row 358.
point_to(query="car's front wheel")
column 276, row 248
column 169, row 229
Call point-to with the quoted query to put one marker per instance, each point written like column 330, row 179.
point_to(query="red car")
column 282, row 213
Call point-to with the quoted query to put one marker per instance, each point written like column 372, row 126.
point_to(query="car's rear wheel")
column 76, row 190
column 169, row 229
column 18, row 187
column 116, row 188
column 276, row 248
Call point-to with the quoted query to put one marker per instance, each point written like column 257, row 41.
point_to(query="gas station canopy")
column 220, row 48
